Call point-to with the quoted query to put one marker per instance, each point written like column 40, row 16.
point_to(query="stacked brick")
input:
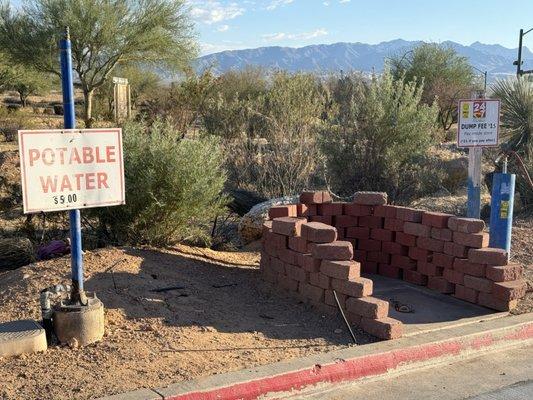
column 446, row 253
column 304, row 255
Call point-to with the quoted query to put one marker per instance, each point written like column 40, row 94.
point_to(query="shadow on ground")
column 213, row 296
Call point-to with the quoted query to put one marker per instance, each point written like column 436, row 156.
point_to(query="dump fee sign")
column 71, row 169
column 478, row 123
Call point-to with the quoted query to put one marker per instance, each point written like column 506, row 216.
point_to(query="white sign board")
column 478, row 123
column 71, row 169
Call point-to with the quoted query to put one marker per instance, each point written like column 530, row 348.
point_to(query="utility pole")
column 484, row 80
column 519, row 62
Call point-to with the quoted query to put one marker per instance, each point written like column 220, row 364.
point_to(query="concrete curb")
column 351, row 364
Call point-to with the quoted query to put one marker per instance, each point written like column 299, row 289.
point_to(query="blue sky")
column 237, row 24
column 232, row 24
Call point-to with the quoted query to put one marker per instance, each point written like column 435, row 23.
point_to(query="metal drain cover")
column 19, row 337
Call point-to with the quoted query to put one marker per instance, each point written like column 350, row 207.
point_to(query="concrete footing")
column 78, row 325
column 19, row 337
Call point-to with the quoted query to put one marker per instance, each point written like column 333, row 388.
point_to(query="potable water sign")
column 478, row 123
column 71, row 169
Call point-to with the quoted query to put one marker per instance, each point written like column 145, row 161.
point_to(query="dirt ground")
column 521, row 253
column 225, row 318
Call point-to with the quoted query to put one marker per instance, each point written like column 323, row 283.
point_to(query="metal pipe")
column 46, row 308
column 344, row 317
column 69, row 118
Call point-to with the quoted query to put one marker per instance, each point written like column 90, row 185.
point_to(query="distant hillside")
column 324, row 58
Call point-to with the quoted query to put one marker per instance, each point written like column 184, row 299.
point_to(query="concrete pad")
column 432, row 310
column 19, row 337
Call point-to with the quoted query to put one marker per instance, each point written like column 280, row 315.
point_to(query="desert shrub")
column 377, row 136
column 228, row 113
column 184, row 102
column 173, row 188
column 284, row 156
column 444, row 76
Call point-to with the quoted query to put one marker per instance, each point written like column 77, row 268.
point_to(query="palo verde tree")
column 444, row 75
column 104, row 33
column 27, row 82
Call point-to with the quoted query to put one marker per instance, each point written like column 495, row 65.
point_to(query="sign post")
column 77, row 295
column 478, row 127
column 67, row 170
column 70, row 169
column 122, row 99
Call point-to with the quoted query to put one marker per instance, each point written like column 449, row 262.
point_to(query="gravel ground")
column 225, row 319
column 521, row 252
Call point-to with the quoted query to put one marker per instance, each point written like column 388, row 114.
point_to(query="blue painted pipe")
column 501, row 210
column 69, row 117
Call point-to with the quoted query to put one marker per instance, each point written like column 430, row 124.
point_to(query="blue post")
column 76, row 262
column 501, row 210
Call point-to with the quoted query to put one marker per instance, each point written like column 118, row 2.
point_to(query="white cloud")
column 326, row 3
column 223, row 28
column 208, row 48
column 278, row 3
column 212, row 11
column 274, row 37
column 344, row 1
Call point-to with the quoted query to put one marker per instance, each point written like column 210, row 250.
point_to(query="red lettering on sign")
column 110, row 153
column 34, row 155
column 48, row 156
column 74, row 155
column 49, row 185
column 65, row 184
column 88, row 156
column 102, row 180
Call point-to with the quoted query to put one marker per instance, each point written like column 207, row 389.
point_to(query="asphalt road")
column 503, row 375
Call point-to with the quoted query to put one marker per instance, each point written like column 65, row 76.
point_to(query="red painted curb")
column 356, row 368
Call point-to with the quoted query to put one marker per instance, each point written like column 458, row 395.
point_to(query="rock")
column 73, row 343
column 251, row 224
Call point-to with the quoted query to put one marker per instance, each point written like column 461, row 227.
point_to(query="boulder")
column 251, row 224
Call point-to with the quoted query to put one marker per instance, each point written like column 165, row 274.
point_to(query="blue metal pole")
column 69, row 116
column 501, row 211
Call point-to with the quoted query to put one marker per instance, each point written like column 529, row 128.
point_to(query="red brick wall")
column 320, row 245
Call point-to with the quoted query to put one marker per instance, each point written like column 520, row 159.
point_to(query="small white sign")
column 120, row 81
column 71, row 169
column 478, row 123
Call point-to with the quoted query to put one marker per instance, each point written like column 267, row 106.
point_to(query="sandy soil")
column 521, row 252
column 224, row 319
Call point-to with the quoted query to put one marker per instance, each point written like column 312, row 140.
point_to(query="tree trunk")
column 88, row 107
column 23, row 99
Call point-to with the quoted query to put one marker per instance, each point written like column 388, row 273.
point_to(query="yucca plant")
column 516, row 97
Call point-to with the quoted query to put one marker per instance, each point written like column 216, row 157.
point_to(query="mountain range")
column 325, row 58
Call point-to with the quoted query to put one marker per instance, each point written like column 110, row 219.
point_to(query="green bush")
column 377, row 137
column 282, row 156
column 173, row 188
